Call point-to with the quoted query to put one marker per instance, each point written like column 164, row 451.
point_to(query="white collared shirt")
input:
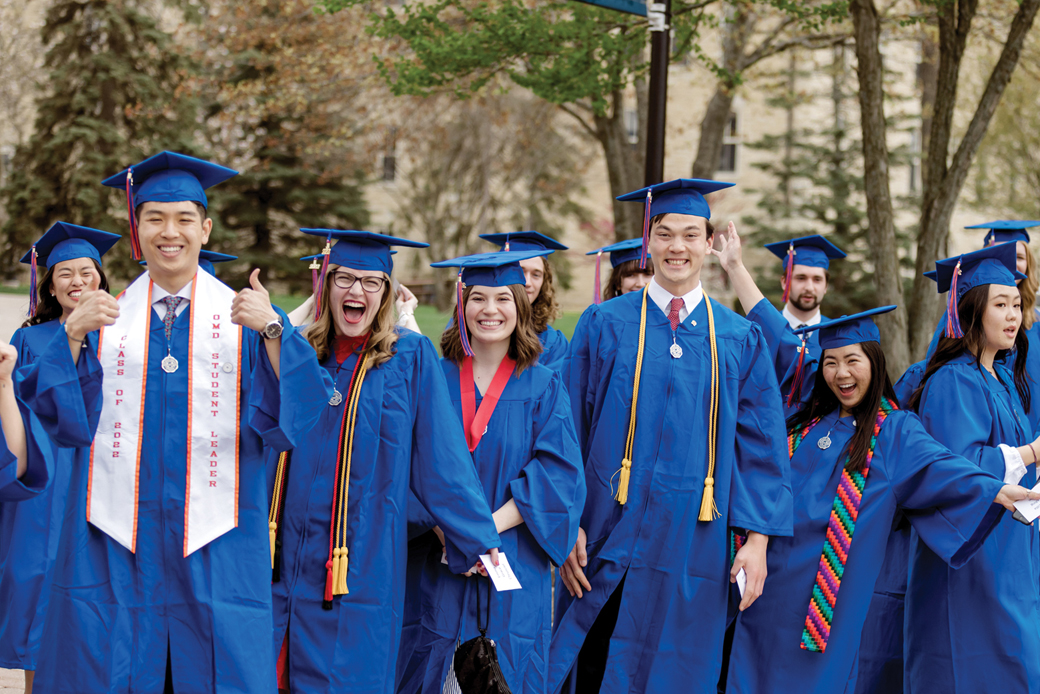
column 158, row 294
column 795, row 322
column 663, row 298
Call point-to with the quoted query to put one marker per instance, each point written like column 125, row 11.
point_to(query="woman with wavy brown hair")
column 540, row 289
column 338, row 525
column 517, row 422
column 626, row 275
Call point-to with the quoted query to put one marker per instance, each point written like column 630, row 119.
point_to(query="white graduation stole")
column 214, row 407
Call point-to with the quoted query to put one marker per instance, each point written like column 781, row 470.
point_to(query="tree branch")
column 581, row 120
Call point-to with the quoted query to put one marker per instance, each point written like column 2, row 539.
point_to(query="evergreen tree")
column 819, row 171
column 110, row 99
column 278, row 80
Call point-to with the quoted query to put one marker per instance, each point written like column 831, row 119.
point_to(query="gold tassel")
column 709, row 511
column 622, row 489
column 272, row 533
column 339, row 584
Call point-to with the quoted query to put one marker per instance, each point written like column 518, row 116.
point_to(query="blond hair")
column 1028, row 289
column 384, row 333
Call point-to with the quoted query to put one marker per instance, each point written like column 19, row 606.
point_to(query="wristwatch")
column 272, row 330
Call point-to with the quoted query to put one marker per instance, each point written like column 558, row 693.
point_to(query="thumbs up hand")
column 252, row 307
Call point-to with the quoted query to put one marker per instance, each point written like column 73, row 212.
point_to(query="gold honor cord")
column 276, row 502
column 339, row 555
column 708, row 510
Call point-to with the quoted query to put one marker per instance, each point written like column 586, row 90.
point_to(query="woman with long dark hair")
column 626, row 275
column 857, row 461
column 977, row 629
column 540, row 288
column 517, row 422
column 339, row 500
column 29, row 531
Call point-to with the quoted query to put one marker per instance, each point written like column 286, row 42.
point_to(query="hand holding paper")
column 502, row 575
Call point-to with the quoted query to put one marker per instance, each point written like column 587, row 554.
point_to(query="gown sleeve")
column 760, row 494
column 40, row 461
column 964, row 430
column 443, row 478
column 781, row 344
column 283, row 409
column 66, row 397
column 550, row 491
column 947, row 499
column 555, row 350
column 908, row 383
column 579, row 379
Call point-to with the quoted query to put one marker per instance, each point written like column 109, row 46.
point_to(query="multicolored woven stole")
column 836, row 547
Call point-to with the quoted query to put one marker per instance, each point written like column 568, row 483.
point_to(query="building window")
column 632, row 126
column 730, row 140
column 390, row 155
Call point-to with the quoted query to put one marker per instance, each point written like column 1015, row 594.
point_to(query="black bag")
column 476, row 661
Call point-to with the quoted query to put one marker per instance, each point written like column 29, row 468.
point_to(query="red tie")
column 673, row 315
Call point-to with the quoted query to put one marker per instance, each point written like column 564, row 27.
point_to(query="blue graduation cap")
column 811, row 251
column 64, row 241
column 848, row 330
column 524, row 241
column 681, row 196
column 207, row 258
column 957, row 274
column 486, row 270
column 166, row 177
column 1004, row 230
column 620, row 252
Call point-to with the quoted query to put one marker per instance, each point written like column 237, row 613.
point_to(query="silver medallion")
column 675, row 350
column 228, row 367
column 337, row 397
column 825, row 442
column 169, row 364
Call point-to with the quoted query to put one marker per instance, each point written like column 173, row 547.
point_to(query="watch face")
column 273, row 330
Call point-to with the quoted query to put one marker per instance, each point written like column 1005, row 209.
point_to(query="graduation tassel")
column 597, row 293
column 340, row 587
column 796, row 387
column 708, row 510
column 953, row 321
column 33, row 291
column 460, row 313
column 625, row 473
column 646, row 229
column 322, row 275
column 326, row 603
column 789, row 271
column 135, row 241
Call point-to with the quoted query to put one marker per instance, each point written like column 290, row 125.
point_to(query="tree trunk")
column 881, row 231
column 624, row 169
column 945, row 181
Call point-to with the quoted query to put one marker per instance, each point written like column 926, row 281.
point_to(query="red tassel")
column 789, row 271
column 460, row 316
column 796, row 387
column 135, row 241
column 33, row 291
column 953, row 321
column 646, row 228
column 328, row 580
column 597, row 294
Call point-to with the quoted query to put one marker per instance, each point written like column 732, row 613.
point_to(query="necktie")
column 673, row 315
column 172, row 302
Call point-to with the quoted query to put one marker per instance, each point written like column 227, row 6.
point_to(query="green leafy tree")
column 110, row 98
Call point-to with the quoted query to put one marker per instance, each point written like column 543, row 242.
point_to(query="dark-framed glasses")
column 345, row 280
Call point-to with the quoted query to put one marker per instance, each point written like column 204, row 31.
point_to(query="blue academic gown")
column 783, row 347
column 949, row 501
column 975, row 629
column 672, row 615
column 554, row 348
column 29, row 532
column 113, row 615
column 407, row 439
column 529, row 454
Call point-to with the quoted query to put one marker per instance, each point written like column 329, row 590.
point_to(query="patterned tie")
column 673, row 315
column 172, row 302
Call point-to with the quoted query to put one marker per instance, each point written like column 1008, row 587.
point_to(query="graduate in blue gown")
column 26, row 458
column 626, row 275
column 806, row 264
column 881, row 647
column 977, row 629
column 339, row 551
column 541, row 290
column 149, row 595
column 856, row 456
column 517, row 420
column 71, row 258
column 645, row 589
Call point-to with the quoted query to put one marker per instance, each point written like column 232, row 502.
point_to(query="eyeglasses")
column 345, row 280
